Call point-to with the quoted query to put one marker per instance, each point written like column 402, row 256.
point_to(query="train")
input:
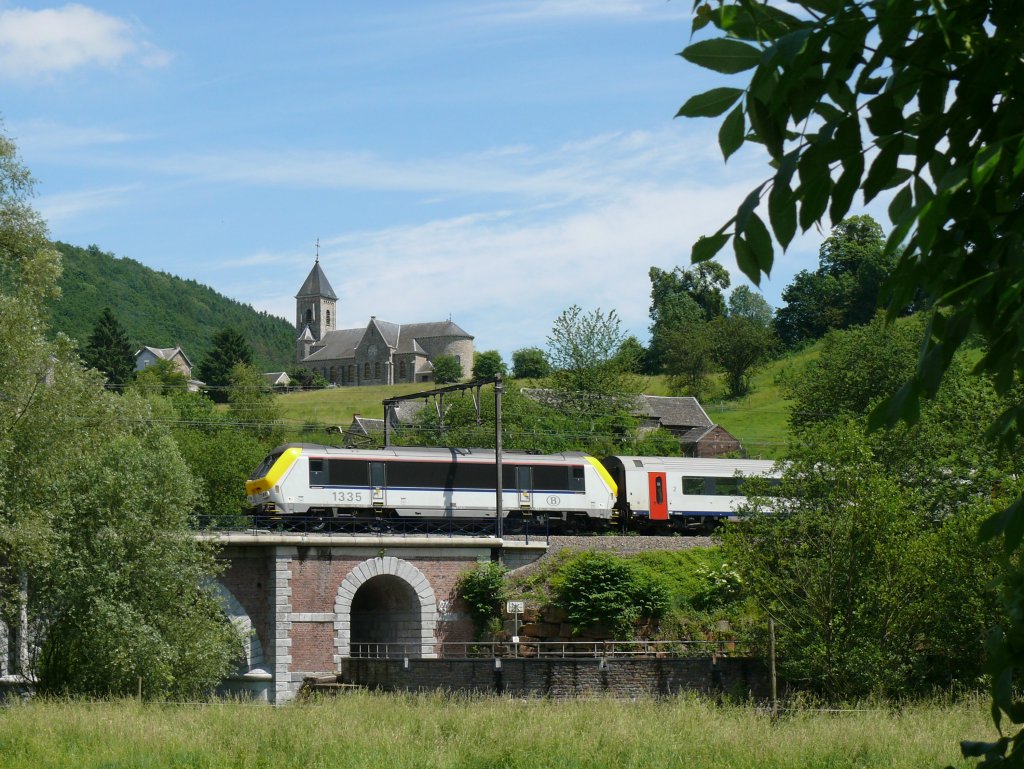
column 572, row 491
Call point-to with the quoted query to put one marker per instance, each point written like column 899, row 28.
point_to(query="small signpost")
column 515, row 608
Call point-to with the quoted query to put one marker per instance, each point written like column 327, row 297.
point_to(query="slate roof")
column 440, row 328
column 339, row 344
column 167, row 353
column 673, row 412
column 390, row 332
column 317, row 284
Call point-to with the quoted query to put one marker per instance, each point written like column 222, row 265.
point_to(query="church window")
column 401, row 369
column 309, row 315
column 333, row 375
column 366, row 371
column 327, row 316
column 376, row 370
column 351, row 373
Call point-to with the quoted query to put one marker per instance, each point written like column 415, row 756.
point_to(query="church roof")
column 306, row 335
column 338, row 344
column 389, row 331
column 317, row 284
column 428, row 330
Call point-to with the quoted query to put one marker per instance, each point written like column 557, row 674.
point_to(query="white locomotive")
column 571, row 490
column 324, row 481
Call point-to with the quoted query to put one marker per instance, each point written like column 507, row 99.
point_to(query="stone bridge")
column 308, row 602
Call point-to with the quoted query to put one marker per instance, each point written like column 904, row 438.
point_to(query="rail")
column 560, row 649
column 375, row 525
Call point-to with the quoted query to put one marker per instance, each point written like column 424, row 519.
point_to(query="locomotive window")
column 576, row 482
column 347, row 472
column 317, row 472
column 693, row 485
column 418, row 475
column 550, row 478
column 659, row 490
column 264, row 467
column 378, row 475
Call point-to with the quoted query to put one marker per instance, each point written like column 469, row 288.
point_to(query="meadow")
column 759, row 419
column 434, row 731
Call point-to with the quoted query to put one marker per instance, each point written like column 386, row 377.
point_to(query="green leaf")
column 746, row 209
column 814, row 195
column 765, row 128
column 900, row 203
column 707, row 246
column 730, row 135
column 782, row 211
column 984, row 166
column 760, row 243
column 710, row 103
column 723, row 55
column 882, row 170
column 826, row 7
column 746, row 260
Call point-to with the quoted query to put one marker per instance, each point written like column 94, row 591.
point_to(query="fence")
column 371, row 525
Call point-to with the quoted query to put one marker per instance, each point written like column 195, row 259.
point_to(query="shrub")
column 483, row 591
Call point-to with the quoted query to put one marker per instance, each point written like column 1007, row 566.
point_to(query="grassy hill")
column 759, row 420
column 160, row 310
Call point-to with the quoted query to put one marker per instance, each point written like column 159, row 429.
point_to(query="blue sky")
column 494, row 162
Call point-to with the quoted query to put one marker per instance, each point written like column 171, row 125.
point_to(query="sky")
column 491, row 162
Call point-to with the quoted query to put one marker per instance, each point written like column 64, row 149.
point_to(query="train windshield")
column 265, row 466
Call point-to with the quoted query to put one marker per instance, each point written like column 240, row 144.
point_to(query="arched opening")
column 309, row 315
column 386, row 619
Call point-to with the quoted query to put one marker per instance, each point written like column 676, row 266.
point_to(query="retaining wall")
column 618, row 677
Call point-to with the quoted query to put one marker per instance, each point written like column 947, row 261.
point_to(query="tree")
column 632, row 356
column 582, row 348
column 447, row 369
column 871, row 596
column 935, row 88
column 97, row 521
column 487, row 364
column 682, row 298
column 744, row 303
column 307, row 379
column 161, row 377
column 689, row 359
column 845, row 290
column 229, row 349
column 739, row 345
column 252, row 402
column 109, row 350
column 530, row 363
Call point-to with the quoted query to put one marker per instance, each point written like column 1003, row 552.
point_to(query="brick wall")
column 565, row 678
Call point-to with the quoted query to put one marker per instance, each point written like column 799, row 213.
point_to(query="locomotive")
column 571, row 490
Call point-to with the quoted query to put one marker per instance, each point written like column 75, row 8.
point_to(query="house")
column 684, row 417
column 147, row 356
column 277, row 378
column 366, row 431
column 377, row 354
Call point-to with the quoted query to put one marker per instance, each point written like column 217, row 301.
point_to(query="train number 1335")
column 347, row 496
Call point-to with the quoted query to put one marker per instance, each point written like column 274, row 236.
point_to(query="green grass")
column 428, row 731
column 337, row 405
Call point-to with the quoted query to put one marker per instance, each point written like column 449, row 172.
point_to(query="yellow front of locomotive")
column 264, row 488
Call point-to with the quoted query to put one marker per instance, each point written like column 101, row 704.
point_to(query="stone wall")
column 739, row 677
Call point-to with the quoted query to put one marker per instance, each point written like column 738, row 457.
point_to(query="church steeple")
column 315, row 304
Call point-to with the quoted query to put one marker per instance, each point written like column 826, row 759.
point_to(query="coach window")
column 696, row 485
column 728, row 487
column 659, row 490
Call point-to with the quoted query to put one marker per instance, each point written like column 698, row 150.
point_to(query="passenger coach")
column 681, row 492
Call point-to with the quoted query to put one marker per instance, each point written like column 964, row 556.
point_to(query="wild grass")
column 435, row 731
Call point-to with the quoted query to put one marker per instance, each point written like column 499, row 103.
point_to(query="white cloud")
column 58, row 40
column 64, row 206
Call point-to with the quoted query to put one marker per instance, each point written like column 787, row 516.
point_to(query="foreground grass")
column 362, row 730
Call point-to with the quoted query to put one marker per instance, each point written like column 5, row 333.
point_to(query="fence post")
column 771, row 666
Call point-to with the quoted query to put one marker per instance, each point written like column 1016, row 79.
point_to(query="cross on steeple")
column 318, row 250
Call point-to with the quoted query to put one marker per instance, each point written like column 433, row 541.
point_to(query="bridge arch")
column 385, row 591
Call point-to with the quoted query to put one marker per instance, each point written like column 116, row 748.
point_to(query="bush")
column 483, row 591
column 598, row 589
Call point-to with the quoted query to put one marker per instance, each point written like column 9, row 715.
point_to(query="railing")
column 559, row 649
column 370, row 525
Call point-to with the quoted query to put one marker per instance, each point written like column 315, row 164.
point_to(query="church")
column 378, row 354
